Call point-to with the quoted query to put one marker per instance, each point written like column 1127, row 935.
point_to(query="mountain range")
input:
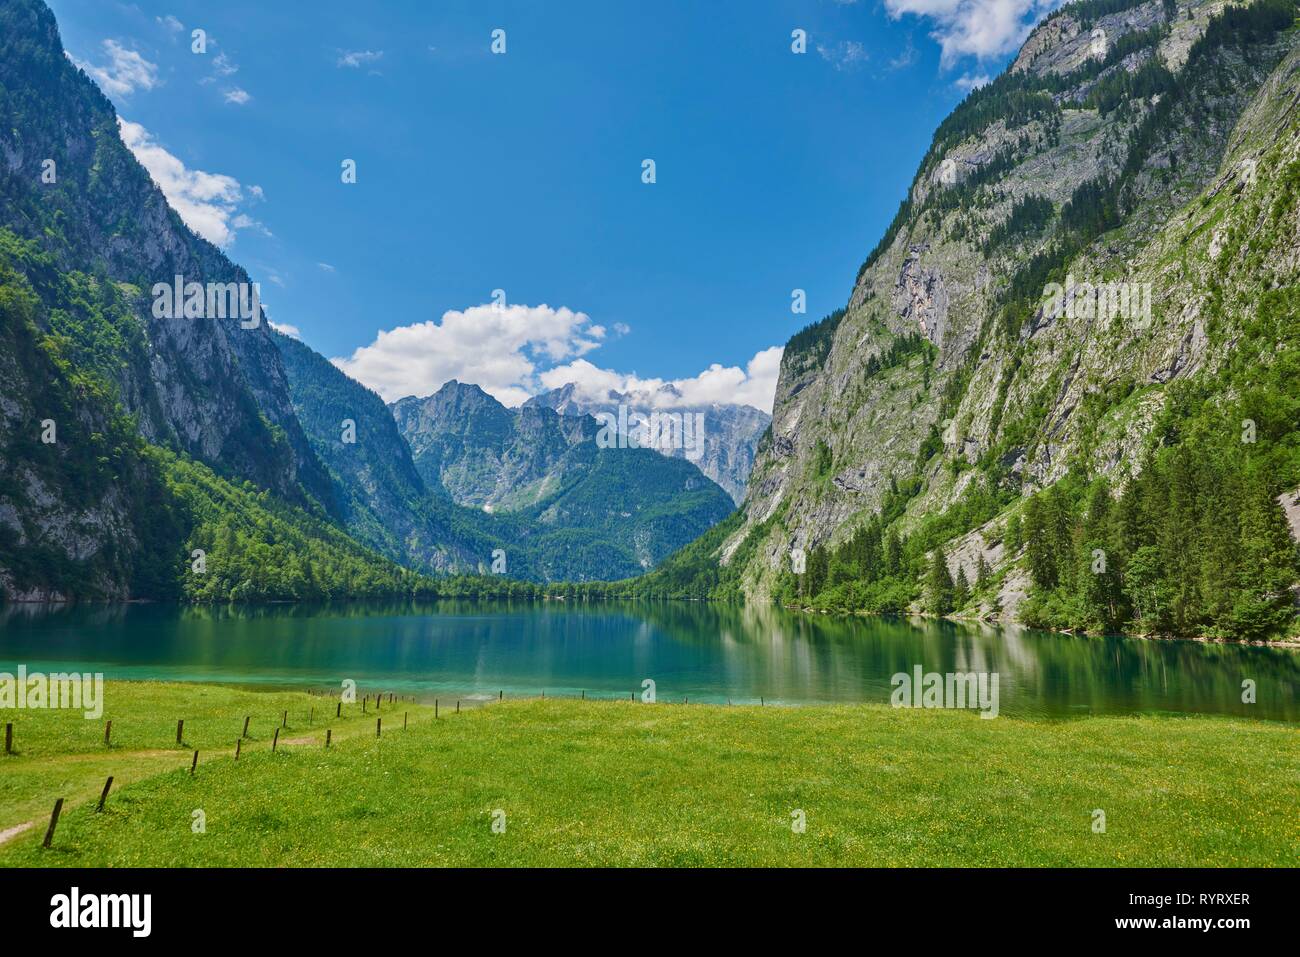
column 1064, row 388
column 723, row 450
column 148, row 451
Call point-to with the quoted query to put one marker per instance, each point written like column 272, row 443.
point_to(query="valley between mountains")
column 1064, row 388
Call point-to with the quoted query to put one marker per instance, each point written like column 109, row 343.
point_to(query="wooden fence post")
column 195, row 763
column 104, row 795
column 108, row 732
column 405, row 717
column 180, row 729
column 338, row 712
column 379, row 726
column 9, row 738
column 284, row 722
column 54, row 820
column 275, row 741
column 238, row 742
column 246, row 717
column 435, row 709
column 329, row 733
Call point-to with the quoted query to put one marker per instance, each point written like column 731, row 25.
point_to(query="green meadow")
column 577, row 783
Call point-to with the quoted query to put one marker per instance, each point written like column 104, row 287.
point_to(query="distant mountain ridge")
column 483, row 454
column 731, row 432
column 543, row 476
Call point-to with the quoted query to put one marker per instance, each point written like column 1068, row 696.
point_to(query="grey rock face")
column 486, row 455
column 206, row 386
column 1047, row 378
column 730, row 432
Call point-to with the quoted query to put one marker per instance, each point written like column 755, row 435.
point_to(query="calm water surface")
column 703, row 652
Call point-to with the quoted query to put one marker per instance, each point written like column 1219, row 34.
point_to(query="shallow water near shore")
column 691, row 650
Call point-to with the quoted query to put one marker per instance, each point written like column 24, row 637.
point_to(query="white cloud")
column 984, row 29
column 966, row 82
column 244, row 221
column 222, row 65
column 325, row 267
column 283, row 327
column 237, row 96
column 206, row 202
column 844, row 55
column 170, row 23
column 497, row 348
column 125, row 72
column 356, row 58
column 754, row 385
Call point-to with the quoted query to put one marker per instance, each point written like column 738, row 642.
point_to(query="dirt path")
column 9, row 833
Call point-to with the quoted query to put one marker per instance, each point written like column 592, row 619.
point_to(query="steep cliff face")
column 206, row 386
column 724, row 451
column 484, row 455
column 82, row 513
column 1084, row 232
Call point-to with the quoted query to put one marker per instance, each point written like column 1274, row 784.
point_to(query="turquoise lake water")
column 690, row 650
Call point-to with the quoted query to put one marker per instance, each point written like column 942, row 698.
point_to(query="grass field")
column 613, row 783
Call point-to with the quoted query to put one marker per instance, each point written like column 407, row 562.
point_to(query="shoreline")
column 1284, row 642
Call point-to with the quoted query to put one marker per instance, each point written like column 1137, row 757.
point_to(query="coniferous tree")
column 960, row 588
column 938, row 585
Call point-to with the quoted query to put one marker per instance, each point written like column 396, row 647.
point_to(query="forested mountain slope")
column 147, row 452
column 1089, row 288
column 568, row 508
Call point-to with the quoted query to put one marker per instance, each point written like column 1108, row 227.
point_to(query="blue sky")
column 522, row 171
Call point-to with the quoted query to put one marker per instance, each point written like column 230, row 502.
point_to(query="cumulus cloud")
column 206, row 202
column 285, row 329
column 514, row 352
column 498, row 348
column 984, row 29
column 125, row 72
column 754, row 385
column 237, row 96
column 357, row 58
